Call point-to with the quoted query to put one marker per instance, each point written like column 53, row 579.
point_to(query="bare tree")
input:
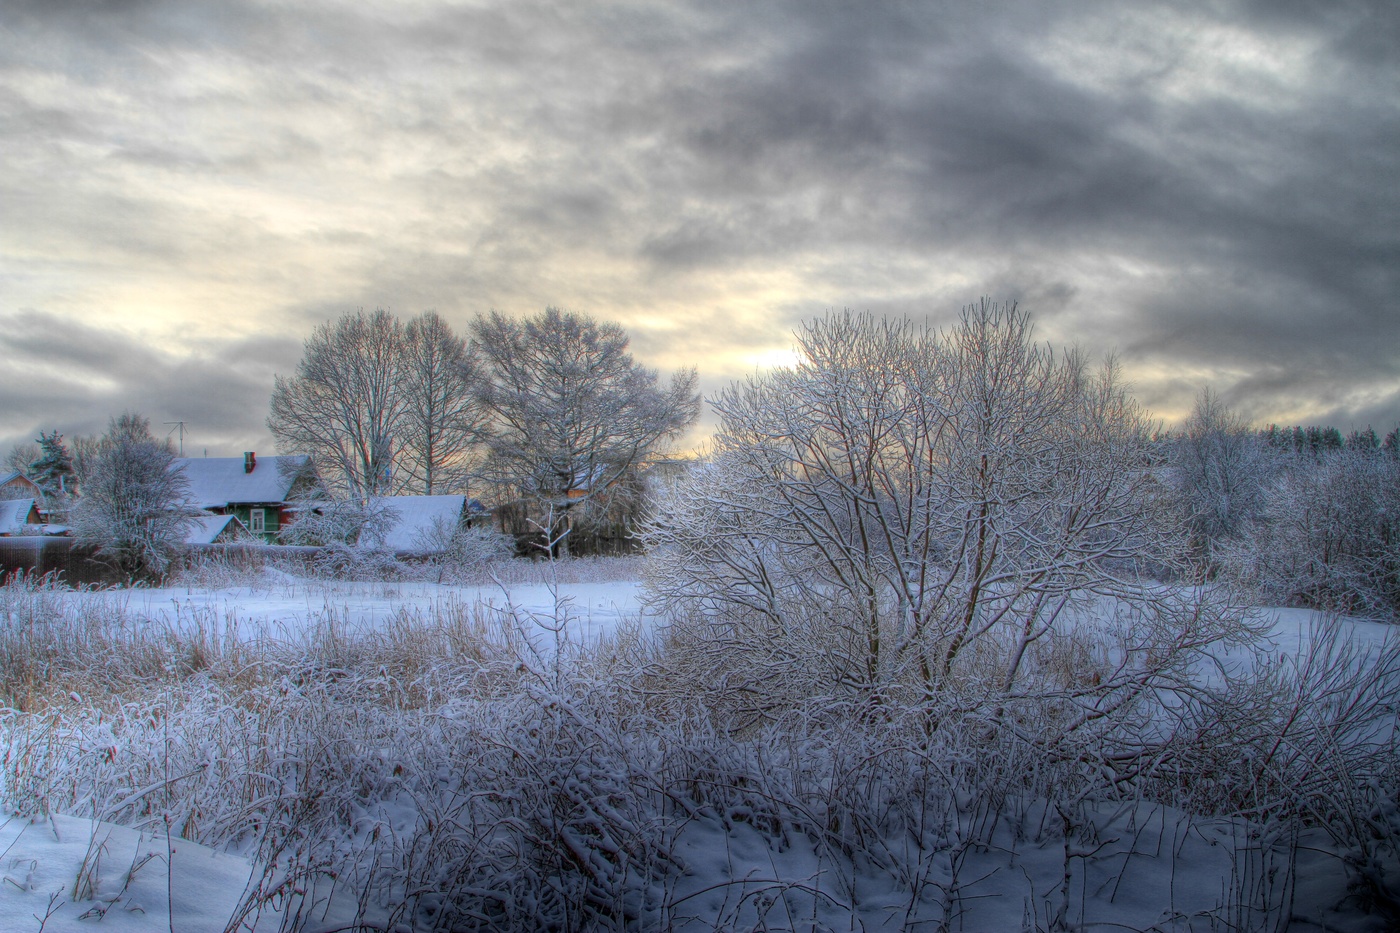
column 346, row 404
column 133, row 501
column 443, row 418
column 910, row 516
column 571, row 412
column 20, row 457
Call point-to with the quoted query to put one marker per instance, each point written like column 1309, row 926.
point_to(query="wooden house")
column 18, row 486
column 259, row 492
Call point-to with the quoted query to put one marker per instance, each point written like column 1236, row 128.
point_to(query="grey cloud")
column 72, row 378
column 990, row 155
column 529, row 144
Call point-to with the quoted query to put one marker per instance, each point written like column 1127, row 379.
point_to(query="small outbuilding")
column 218, row 529
column 19, row 517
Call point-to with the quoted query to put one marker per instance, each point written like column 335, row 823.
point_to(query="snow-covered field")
column 775, row 848
column 284, row 607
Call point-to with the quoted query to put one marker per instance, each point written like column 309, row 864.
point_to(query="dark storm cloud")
column 1207, row 187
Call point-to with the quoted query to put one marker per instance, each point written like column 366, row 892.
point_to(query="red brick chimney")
column 250, row 460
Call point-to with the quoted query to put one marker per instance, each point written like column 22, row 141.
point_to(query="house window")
column 257, row 523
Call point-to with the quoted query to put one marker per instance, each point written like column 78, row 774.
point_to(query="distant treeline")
column 1317, row 438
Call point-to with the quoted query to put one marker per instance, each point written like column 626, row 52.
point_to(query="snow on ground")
column 67, row 874
column 1293, row 629
column 1146, row 867
column 284, row 608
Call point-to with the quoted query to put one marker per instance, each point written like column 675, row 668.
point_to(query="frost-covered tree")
column 346, row 404
column 1222, row 468
column 571, row 412
column 18, row 460
column 962, row 520
column 1366, row 440
column 336, row 522
column 133, row 502
column 443, row 418
column 454, row 547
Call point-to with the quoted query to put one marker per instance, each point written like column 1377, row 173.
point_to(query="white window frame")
column 257, row 521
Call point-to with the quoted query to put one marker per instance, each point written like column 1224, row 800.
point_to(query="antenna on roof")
column 179, row 426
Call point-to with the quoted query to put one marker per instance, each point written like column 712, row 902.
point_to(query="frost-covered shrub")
column 328, row 522
column 350, row 535
column 429, row 768
column 1328, row 535
column 1300, row 741
column 453, row 550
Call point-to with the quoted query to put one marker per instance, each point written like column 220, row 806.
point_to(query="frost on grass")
column 446, row 771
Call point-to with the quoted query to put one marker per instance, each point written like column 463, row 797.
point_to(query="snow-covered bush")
column 1328, row 535
column 350, row 534
column 1300, row 741
column 328, row 522
column 454, row 550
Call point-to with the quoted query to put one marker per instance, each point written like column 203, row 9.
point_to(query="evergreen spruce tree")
column 53, row 472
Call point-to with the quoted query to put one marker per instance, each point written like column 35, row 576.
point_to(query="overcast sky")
column 1211, row 190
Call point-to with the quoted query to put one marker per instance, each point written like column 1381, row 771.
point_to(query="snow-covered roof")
column 14, row 515
column 205, row 529
column 416, row 517
column 221, row 481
